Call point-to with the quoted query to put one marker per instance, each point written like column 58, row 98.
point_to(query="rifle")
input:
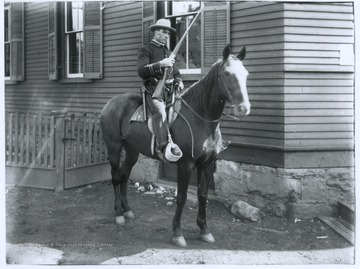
column 160, row 86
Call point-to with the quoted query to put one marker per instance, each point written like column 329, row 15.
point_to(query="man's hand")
column 167, row 62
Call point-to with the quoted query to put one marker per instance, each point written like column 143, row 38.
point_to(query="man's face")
column 161, row 35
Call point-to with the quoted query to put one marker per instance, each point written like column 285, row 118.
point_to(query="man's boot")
column 162, row 135
column 161, row 132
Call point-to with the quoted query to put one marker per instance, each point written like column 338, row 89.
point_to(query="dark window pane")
column 7, row 60
column 75, row 12
column 75, row 44
column 194, row 44
column 189, row 55
column 6, row 25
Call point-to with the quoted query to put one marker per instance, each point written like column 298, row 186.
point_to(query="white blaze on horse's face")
column 235, row 77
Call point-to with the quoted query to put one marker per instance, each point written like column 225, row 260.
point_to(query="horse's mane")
column 199, row 92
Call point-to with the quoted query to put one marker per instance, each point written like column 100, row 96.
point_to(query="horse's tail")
column 110, row 126
column 114, row 119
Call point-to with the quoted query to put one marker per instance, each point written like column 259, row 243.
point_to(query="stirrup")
column 172, row 151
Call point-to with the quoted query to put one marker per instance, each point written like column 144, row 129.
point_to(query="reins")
column 197, row 114
column 200, row 117
column 187, row 122
column 203, row 119
column 231, row 116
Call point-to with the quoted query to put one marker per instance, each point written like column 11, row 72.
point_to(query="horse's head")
column 233, row 76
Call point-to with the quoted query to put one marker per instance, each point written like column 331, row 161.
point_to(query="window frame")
column 92, row 61
column 7, row 9
column 67, row 42
column 179, row 15
column 189, row 71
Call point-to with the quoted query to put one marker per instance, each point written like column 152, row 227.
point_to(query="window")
column 181, row 15
column 75, row 41
column 74, row 32
column 207, row 37
column 7, row 43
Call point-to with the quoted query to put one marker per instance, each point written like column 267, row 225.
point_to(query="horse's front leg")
column 205, row 174
column 183, row 177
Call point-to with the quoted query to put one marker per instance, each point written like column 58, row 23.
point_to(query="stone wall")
column 301, row 193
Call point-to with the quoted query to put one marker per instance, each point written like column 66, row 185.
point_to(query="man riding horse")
column 152, row 61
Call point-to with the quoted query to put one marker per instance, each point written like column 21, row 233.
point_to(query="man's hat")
column 162, row 24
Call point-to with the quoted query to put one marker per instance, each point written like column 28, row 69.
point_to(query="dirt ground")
column 80, row 223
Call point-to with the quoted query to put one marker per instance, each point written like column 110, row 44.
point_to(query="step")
column 342, row 227
column 346, row 212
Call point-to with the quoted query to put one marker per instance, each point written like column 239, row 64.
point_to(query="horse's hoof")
column 129, row 215
column 208, row 238
column 120, row 220
column 179, row 241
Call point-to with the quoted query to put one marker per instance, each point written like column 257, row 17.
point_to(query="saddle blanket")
column 139, row 114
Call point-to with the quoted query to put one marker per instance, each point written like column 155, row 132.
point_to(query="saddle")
column 172, row 111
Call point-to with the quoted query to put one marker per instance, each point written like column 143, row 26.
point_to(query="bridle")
column 229, row 96
column 228, row 93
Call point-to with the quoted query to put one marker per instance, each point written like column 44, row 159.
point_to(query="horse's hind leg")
column 119, row 181
column 130, row 160
column 114, row 158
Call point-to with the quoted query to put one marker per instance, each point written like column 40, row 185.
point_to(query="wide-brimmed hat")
column 162, row 24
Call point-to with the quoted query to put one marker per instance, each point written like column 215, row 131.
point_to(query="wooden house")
column 65, row 60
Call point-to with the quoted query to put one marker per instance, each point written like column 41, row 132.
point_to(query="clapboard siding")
column 122, row 38
column 318, row 90
column 259, row 27
column 293, row 109
column 322, row 113
column 336, row 8
column 314, row 33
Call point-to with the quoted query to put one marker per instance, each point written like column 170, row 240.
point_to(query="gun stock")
column 160, row 86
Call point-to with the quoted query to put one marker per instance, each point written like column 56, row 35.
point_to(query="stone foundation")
column 301, row 193
column 146, row 170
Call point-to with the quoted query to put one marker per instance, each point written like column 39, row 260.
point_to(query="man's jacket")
column 148, row 65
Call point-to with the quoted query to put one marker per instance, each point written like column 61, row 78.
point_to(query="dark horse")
column 196, row 131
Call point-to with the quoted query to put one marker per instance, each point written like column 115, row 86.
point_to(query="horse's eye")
column 226, row 73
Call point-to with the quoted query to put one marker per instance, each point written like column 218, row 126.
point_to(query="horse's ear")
column 226, row 52
column 242, row 54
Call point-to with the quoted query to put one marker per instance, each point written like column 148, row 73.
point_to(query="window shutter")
column 216, row 32
column 93, row 62
column 17, row 41
column 148, row 19
column 52, row 41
